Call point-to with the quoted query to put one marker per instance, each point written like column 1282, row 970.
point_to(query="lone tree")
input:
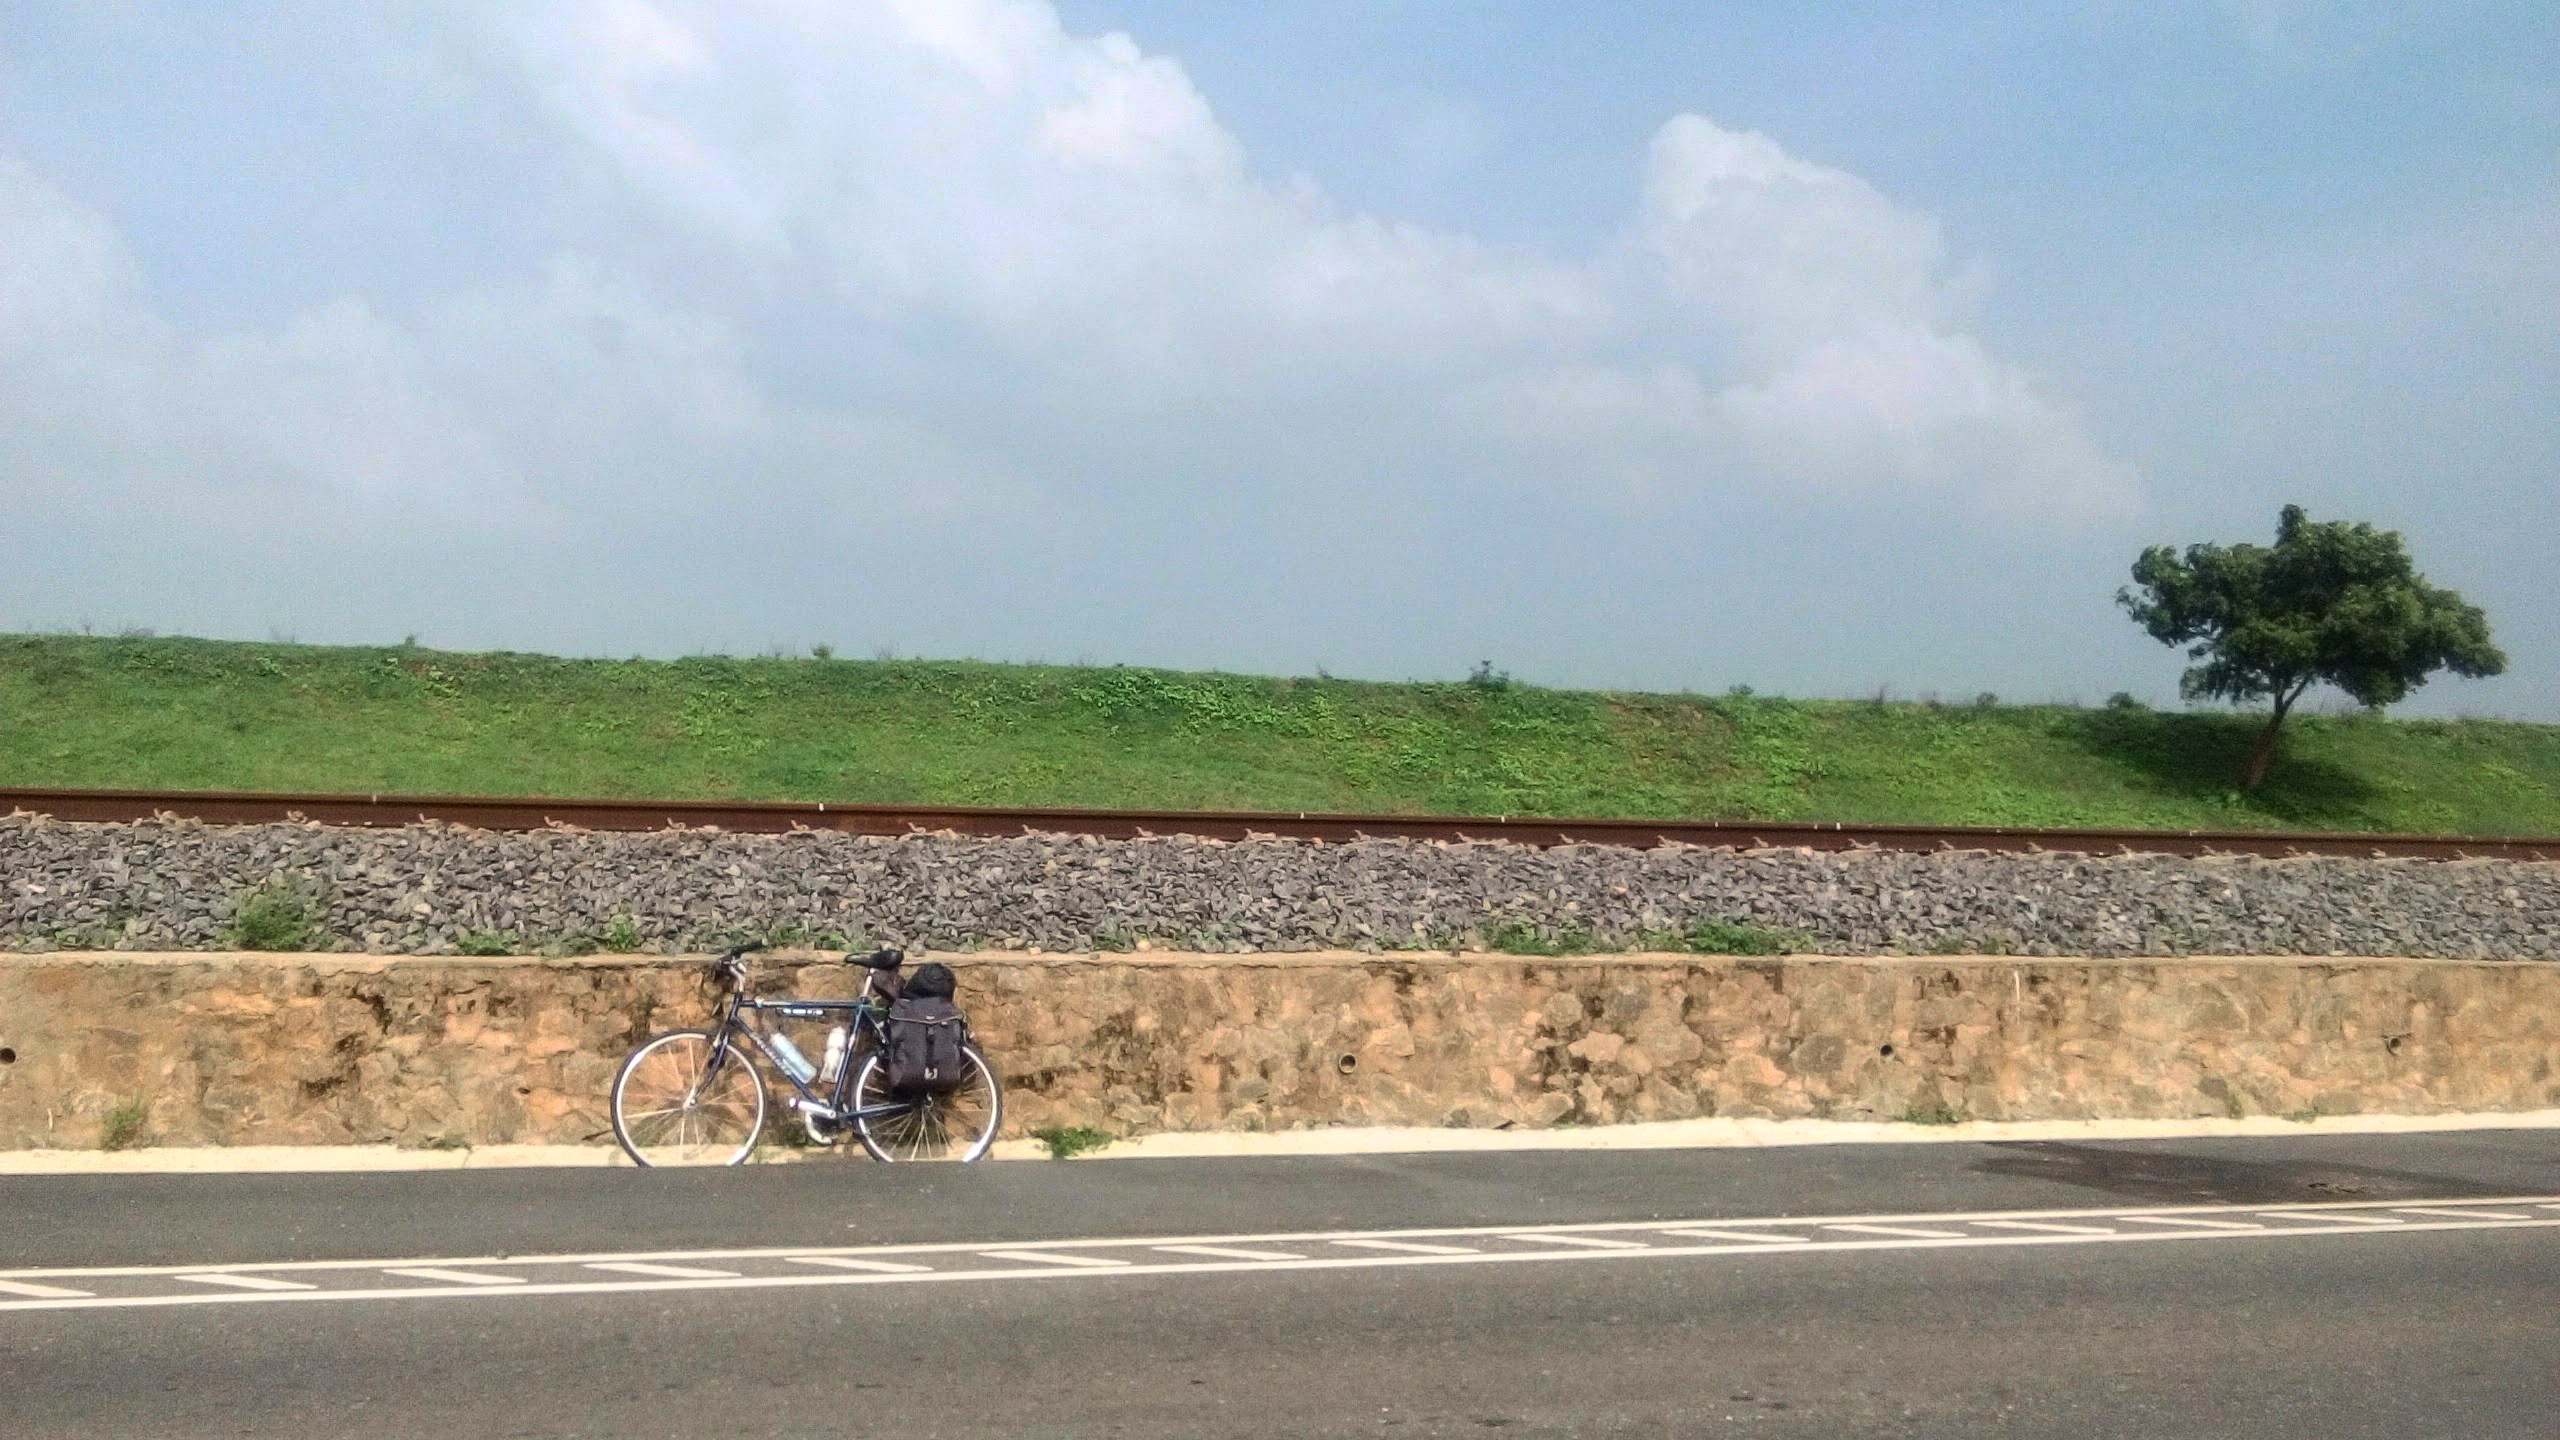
column 2334, row 602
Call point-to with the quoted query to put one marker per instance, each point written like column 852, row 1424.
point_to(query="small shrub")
column 485, row 942
column 1739, row 692
column 2123, row 700
column 275, row 916
column 2302, row 1117
column 1485, row 677
column 1115, row 939
column 1937, row 1112
column 1986, row 701
column 1733, row 937
column 822, row 652
column 123, row 1127
column 622, row 936
column 1066, row 1142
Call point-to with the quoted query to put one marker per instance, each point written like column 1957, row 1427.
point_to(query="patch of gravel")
column 432, row 889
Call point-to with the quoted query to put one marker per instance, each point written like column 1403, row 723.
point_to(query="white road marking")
column 1908, row 1232
column 1226, row 1252
column 2188, row 1220
column 1100, row 1258
column 40, row 1292
column 249, row 1282
column 2460, row 1214
column 1046, row 1257
column 2046, row 1226
column 2333, row 1219
column 1126, row 1242
column 457, row 1277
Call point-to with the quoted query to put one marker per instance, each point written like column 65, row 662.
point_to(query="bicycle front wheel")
column 671, row 1107
column 958, row 1126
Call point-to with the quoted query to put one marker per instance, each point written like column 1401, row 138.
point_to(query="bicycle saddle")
column 881, row 959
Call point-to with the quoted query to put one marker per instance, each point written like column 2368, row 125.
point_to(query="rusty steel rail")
column 771, row 817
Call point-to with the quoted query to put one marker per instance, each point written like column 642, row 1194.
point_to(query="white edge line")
column 1356, row 1262
column 953, row 1247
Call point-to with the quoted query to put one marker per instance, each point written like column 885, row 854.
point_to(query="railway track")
column 503, row 813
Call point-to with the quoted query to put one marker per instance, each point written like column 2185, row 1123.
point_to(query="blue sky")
column 1648, row 346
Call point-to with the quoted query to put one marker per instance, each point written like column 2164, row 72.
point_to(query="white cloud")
column 1076, row 203
column 1029, row 276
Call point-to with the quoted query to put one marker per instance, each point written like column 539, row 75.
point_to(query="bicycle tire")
column 652, row 1138
column 925, row 1134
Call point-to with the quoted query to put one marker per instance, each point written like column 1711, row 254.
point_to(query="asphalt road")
column 2176, row 1288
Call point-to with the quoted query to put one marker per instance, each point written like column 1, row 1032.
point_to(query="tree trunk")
column 2262, row 756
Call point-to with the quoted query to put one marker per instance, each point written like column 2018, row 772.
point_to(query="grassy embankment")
column 192, row 714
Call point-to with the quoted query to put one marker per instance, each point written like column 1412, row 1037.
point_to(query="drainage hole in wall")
column 1347, row 1064
column 1885, row 1050
column 8, row 1056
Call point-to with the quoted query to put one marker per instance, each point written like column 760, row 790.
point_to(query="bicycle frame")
column 862, row 1016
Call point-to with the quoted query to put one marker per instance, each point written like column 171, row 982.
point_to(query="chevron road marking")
column 1751, row 1240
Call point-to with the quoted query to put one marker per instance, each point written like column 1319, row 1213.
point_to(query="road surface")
column 2340, row 1286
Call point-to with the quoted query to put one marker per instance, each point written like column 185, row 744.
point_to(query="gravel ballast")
column 435, row 889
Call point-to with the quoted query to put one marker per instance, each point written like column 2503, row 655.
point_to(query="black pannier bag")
column 926, row 1032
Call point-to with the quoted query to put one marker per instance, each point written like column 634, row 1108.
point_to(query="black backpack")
column 926, row 1033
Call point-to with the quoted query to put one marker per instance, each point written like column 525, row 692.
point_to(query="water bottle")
column 837, row 1040
column 793, row 1062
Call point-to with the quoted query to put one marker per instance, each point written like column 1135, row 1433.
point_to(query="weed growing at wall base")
column 122, row 1129
column 1066, row 1142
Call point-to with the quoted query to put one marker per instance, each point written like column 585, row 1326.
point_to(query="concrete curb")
column 1338, row 1140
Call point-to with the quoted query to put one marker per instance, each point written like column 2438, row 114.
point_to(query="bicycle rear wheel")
column 957, row 1126
column 671, row 1108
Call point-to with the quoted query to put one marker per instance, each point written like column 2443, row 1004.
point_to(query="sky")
column 1820, row 349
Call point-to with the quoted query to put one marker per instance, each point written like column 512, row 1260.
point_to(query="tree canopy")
column 2332, row 602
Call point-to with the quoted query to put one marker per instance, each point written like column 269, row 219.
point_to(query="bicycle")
column 694, row 1097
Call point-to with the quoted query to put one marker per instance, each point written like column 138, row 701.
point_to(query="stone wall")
column 244, row 1049
column 437, row 889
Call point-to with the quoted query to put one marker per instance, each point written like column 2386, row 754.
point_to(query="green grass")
column 1727, row 937
column 1066, row 1142
column 195, row 714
